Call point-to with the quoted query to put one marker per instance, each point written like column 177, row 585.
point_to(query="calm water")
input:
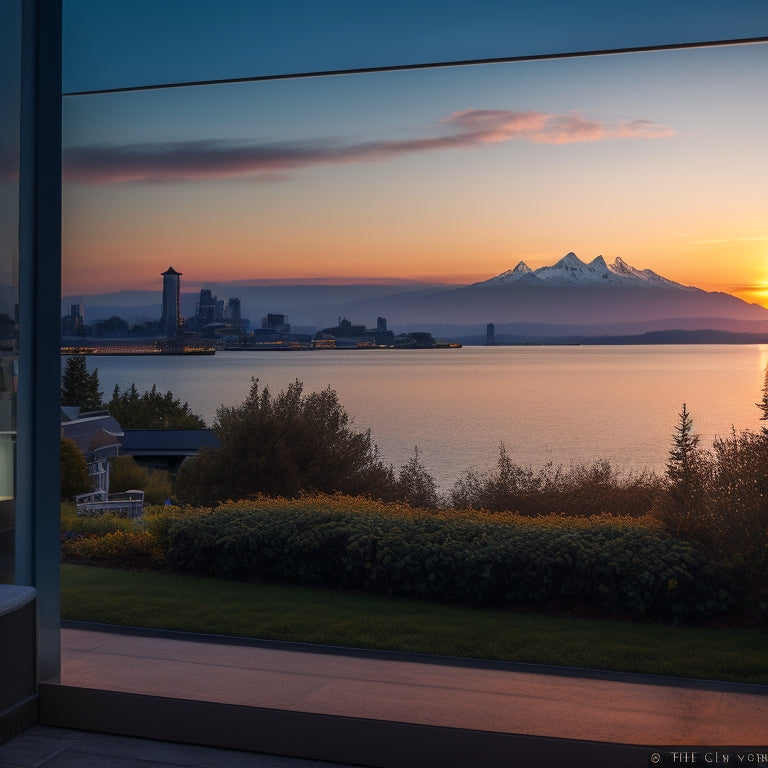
column 555, row 404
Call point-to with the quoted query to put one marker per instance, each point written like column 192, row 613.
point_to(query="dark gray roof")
column 167, row 442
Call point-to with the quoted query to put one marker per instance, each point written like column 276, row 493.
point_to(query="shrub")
column 283, row 446
column 416, row 485
column 126, row 474
column 68, row 514
column 719, row 499
column 100, row 525
column 581, row 490
column 74, row 470
column 158, row 519
column 137, row 549
column 735, row 530
column 612, row 568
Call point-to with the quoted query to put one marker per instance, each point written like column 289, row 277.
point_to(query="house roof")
column 167, row 442
column 92, row 432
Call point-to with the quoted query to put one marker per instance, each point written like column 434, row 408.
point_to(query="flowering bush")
column 120, row 548
column 613, row 566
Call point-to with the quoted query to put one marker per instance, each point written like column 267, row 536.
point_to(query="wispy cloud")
column 267, row 161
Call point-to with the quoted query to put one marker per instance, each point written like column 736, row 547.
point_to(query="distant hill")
column 570, row 297
column 605, row 298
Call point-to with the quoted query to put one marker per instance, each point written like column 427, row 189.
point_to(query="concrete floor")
column 625, row 709
column 43, row 747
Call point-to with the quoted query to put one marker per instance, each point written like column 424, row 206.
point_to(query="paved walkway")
column 626, row 710
column 42, row 747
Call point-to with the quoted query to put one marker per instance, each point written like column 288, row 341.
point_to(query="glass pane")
column 141, row 42
column 10, row 90
column 384, row 199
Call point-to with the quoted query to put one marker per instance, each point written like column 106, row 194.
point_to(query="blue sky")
column 138, row 42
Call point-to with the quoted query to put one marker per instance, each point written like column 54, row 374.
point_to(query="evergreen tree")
column 151, row 410
column 688, row 469
column 763, row 404
column 80, row 388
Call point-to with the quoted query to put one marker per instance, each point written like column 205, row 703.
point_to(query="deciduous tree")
column 283, row 446
column 416, row 485
column 74, row 470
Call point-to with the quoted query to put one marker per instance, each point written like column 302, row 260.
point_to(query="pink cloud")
column 641, row 129
column 196, row 160
column 489, row 126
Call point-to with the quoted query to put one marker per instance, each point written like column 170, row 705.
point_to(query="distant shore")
column 150, row 351
column 134, row 349
column 681, row 337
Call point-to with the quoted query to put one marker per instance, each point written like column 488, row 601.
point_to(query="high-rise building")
column 234, row 313
column 206, row 308
column 490, row 335
column 77, row 313
column 74, row 322
column 171, row 302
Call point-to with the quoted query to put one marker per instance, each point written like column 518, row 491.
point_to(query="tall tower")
column 490, row 335
column 171, row 302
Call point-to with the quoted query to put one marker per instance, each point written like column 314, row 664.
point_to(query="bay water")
column 558, row 404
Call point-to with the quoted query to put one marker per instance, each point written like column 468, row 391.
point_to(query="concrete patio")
column 378, row 709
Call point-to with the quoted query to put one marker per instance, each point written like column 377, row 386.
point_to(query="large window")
column 382, row 197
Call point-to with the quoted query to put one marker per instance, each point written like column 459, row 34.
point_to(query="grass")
column 329, row 617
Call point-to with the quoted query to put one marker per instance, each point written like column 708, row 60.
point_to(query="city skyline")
column 452, row 175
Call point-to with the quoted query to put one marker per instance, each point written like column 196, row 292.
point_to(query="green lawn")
column 328, row 617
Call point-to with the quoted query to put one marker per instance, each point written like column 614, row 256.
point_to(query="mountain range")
column 570, row 297
column 572, row 271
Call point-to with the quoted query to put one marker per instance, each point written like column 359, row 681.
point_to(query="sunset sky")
column 450, row 175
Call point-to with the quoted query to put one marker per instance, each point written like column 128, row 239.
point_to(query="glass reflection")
column 10, row 96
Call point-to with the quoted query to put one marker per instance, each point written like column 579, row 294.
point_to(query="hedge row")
column 135, row 549
column 629, row 571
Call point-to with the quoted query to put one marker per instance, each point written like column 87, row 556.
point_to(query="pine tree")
column 152, row 410
column 763, row 404
column 80, row 388
column 687, row 471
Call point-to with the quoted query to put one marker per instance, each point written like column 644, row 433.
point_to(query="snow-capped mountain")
column 606, row 298
column 571, row 270
column 511, row 275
